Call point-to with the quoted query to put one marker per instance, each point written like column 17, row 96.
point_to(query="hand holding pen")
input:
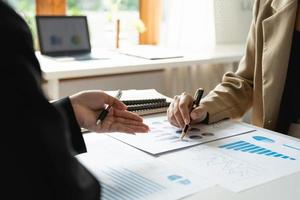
column 179, row 112
column 86, row 106
column 197, row 97
column 106, row 110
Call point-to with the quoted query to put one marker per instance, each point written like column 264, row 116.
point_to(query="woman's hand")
column 179, row 111
column 87, row 106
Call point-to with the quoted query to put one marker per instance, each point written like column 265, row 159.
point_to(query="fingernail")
column 187, row 121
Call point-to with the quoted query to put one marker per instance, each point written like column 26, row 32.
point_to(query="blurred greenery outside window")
column 26, row 8
column 101, row 14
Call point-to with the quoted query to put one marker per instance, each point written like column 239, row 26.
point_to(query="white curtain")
column 189, row 78
column 188, row 24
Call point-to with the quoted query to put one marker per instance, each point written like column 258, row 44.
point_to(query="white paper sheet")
column 139, row 94
column 145, row 179
column 164, row 137
column 151, row 52
column 242, row 162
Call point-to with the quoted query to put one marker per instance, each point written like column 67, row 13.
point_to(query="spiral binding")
column 147, row 106
column 144, row 101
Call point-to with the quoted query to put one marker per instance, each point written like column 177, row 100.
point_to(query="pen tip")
column 183, row 133
column 98, row 122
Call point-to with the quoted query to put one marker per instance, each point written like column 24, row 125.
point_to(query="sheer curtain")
column 188, row 24
column 197, row 26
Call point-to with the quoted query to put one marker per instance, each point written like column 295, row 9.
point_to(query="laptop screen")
column 63, row 35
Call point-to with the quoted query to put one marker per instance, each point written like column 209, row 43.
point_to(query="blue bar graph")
column 244, row 146
column 126, row 184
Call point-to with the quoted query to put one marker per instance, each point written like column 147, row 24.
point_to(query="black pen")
column 106, row 110
column 197, row 98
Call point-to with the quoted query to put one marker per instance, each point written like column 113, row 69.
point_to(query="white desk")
column 287, row 188
column 54, row 71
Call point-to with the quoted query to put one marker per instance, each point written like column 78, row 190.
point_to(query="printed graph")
column 179, row 179
column 247, row 147
column 126, row 184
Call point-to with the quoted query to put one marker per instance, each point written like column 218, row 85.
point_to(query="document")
column 150, row 52
column 242, row 162
column 135, row 95
column 141, row 176
column 164, row 137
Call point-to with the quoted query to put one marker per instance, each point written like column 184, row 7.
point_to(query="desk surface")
column 286, row 188
column 120, row 63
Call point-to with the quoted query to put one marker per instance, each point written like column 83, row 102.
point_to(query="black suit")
column 38, row 139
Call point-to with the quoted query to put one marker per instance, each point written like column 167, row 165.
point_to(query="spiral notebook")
column 144, row 102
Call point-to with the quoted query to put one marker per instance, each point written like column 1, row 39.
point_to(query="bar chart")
column 126, row 184
column 247, row 147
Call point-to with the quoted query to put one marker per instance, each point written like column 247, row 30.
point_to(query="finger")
column 129, row 128
column 106, row 125
column 199, row 114
column 127, row 122
column 127, row 114
column 113, row 101
column 123, row 129
column 174, row 124
column 171, row 115
column 185, row 104
column 139, row 129
column 177, row 113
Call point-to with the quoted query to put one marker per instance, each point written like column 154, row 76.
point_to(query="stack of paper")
column 151, row 52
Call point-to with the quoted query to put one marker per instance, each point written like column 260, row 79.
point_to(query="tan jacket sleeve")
column 233, row 96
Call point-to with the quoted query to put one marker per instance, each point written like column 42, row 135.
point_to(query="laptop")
column 65, row 37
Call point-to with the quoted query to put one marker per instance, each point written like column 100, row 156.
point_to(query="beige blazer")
column 260, row 78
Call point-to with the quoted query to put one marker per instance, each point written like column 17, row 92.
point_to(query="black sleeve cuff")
column 64, row 106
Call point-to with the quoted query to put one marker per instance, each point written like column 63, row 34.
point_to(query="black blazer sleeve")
column 37, row 139
column 66, row 109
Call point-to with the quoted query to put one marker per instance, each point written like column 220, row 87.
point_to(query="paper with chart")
column 146, row 179
column 164, row 137
column 243, row 161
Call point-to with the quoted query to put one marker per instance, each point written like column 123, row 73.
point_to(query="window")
column 102, row 15
column 202, row 24
column 187, row 24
